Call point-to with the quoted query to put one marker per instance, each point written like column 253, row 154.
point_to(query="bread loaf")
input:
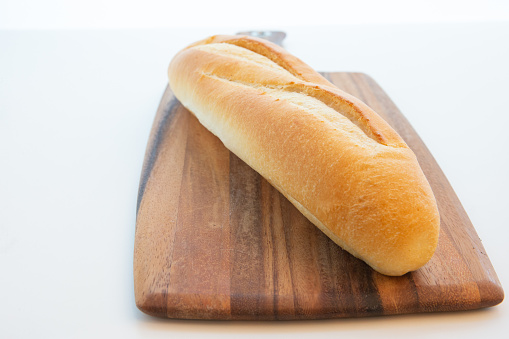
column 327, row 152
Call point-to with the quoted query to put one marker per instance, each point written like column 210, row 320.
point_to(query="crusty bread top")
column 311, row 82
column 272, row 52
column 330, row 154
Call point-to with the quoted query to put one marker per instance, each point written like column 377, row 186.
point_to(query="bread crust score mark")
column 315, row 85
column 356, row 180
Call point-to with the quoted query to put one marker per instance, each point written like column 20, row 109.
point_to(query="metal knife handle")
column 276, row 37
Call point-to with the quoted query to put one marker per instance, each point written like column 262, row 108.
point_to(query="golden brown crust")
column 313, row 84
column 332, row 156
column 273, row 52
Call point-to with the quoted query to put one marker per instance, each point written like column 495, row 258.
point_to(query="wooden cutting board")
column 214, row 240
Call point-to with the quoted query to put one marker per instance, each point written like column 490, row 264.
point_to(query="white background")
column 79, row 86
column 248, row 13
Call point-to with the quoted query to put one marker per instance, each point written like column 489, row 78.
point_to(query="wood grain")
column 214, row 240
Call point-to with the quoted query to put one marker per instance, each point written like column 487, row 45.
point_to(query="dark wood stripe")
column 164, row 117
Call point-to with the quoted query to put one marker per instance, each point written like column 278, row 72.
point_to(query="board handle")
column 276, row 37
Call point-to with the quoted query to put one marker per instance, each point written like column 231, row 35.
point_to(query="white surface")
column 76, row 109
column 28, row 14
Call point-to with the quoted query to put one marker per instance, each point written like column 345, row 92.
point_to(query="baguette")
column 328, row 153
